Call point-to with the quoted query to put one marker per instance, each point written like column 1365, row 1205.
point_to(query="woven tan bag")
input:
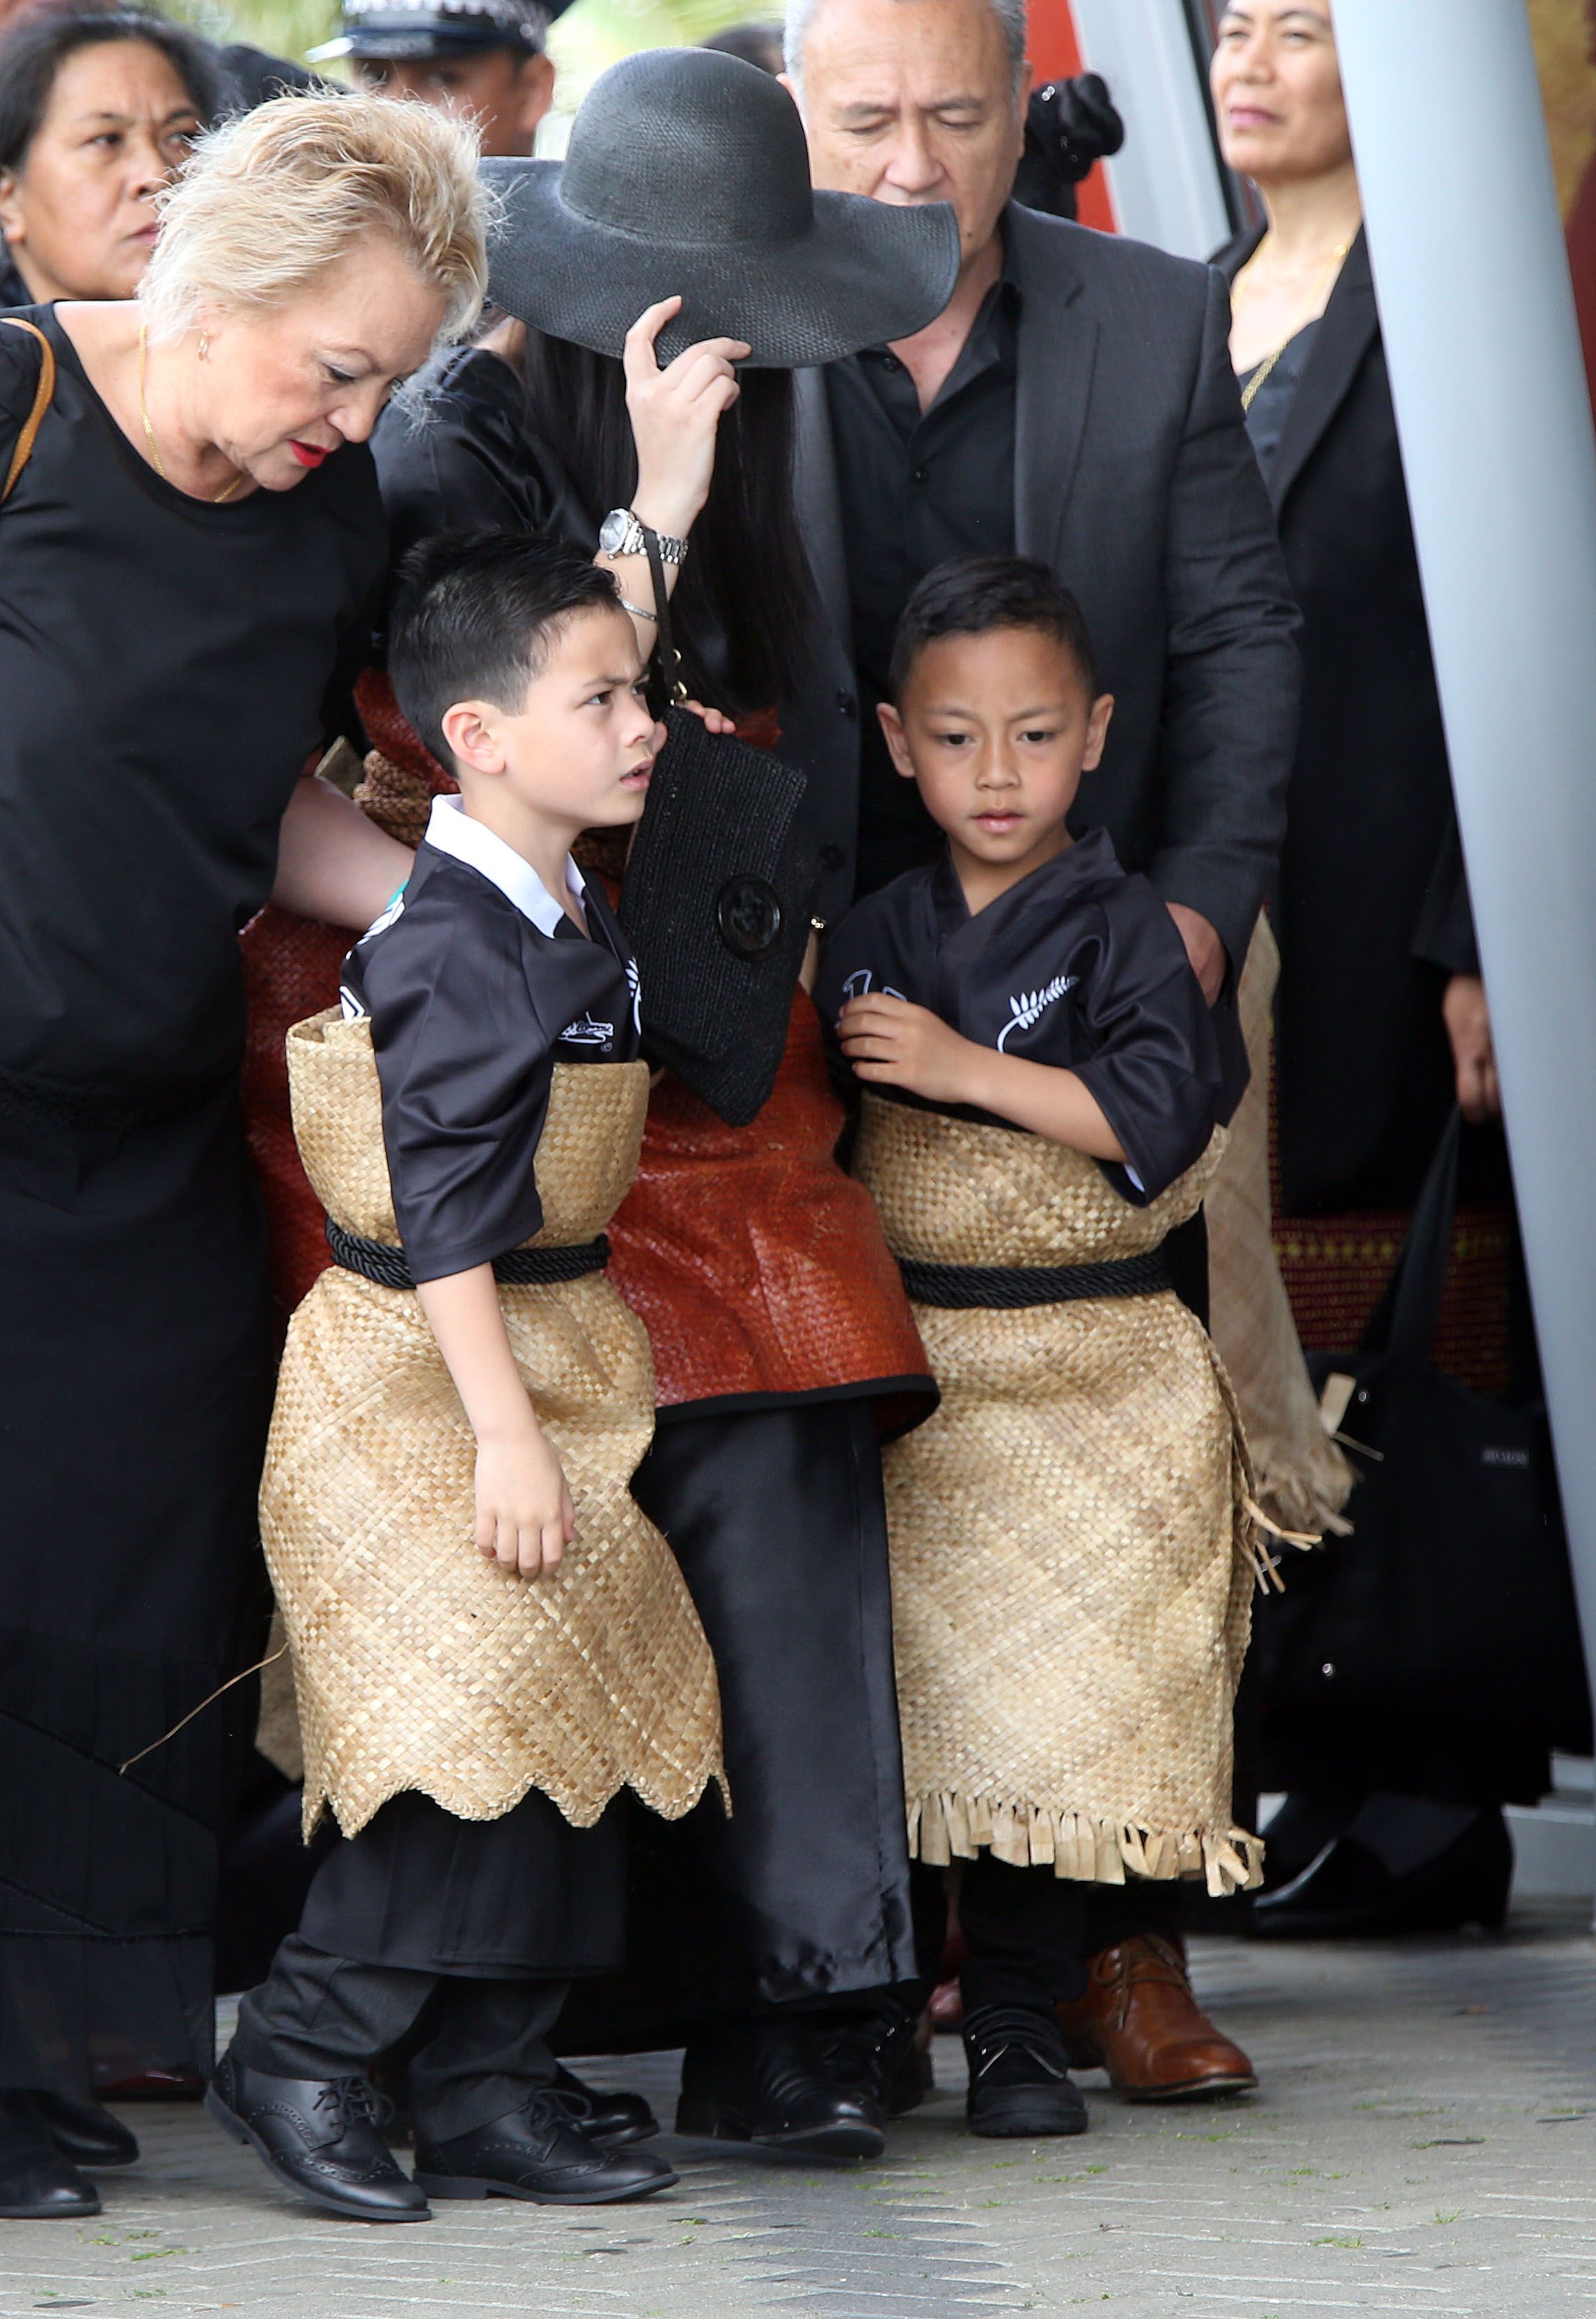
column 418, row 1663
column 1303, row 1481
column 1073, row 1548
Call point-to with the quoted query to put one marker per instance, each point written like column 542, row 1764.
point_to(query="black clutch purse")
column 716, row 903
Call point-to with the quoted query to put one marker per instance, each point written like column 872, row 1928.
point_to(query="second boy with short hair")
column 1072, row 1550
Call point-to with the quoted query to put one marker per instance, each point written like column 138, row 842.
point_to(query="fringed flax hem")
column 944, row 1827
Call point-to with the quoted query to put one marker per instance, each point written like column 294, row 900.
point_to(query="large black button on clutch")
column 748, row 912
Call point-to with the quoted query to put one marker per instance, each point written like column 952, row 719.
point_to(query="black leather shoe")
column 877, row 2054
column 768, row 2083
column 319, row 2136
column 85, row 2133
column 1019, row 2075
column 37, row 2185
column 535, row 2153
column 1347, row 1892
column 607, row 2119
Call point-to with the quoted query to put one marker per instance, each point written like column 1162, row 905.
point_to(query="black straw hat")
column 688, row 173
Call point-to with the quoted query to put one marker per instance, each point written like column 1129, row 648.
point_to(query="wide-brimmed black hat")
column 688, row 173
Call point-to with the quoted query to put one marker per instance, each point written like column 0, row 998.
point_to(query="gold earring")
column 204, row 348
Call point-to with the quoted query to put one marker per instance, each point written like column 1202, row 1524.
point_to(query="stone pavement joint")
column 1424, row 2141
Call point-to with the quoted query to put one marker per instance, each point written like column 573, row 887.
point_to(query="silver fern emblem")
column 1031, row 1006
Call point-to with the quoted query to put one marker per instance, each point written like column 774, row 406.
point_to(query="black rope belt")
column 523, row 1267
column 961, row 1287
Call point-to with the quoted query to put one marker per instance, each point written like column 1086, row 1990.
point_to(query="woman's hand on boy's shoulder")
column 894, row 1043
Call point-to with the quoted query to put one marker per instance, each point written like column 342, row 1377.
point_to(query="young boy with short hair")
column 490, row 1640
column 1072, row 1554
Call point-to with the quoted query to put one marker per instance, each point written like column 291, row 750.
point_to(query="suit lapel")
column 816, row 497
column 1350, row 326
column 1058, row 353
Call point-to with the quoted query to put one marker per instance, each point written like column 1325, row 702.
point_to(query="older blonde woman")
column 190, row 558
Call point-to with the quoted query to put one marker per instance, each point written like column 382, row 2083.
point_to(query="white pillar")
column 1495, row 421
column 1165, row 181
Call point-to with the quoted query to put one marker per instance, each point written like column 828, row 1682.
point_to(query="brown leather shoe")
column 1140, row 2021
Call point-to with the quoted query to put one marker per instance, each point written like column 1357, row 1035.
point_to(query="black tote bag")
column 1450, row 1611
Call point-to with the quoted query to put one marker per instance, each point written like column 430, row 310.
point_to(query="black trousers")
column 1030, row 1932
column 778, row 1519
column 319, row 2015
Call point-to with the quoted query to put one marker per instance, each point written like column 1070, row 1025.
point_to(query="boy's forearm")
column 1039, row 1097
column 462, row 1313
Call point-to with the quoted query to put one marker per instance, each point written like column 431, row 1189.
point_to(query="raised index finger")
column 637, row 354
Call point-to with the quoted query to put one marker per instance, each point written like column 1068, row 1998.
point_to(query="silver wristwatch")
column 621, row 534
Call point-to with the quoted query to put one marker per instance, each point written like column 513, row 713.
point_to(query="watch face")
column 613, row 530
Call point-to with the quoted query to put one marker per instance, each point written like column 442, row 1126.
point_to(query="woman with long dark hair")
column 782, row 1343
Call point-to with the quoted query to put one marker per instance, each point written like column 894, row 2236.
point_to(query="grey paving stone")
column 1424, row 2141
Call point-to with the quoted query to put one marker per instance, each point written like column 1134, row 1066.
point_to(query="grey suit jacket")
column 1135, row 479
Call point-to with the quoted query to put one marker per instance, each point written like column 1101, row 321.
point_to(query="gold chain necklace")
column 154, row 455
column 1249, row 393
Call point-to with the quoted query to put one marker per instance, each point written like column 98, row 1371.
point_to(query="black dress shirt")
column 476, row 983
column 916, row 488
column 1078, row 966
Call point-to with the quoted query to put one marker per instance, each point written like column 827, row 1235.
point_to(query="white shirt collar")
column 451, row 831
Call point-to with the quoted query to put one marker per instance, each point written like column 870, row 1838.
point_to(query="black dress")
column 167, row 666
column 1371, row 910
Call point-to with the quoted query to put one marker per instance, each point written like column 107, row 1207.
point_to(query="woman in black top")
column 1381, row 1024
column 189, row 565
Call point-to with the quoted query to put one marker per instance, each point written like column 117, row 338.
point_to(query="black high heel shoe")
column 1347, row 1891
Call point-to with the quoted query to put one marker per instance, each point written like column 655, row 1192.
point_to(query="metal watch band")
column 632, row 541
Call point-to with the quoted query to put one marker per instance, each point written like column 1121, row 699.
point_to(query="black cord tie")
column 957, row 1287
column 523, row 1267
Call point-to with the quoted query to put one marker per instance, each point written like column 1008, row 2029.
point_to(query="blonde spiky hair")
column 274, row 198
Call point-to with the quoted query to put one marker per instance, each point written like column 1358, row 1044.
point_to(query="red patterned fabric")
column 291, row 970
column 755, row 1264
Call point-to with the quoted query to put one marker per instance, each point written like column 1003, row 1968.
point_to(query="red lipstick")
column 308, row 455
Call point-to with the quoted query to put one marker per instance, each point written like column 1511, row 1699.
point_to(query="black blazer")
column 1134, row 479
column 1372, row 912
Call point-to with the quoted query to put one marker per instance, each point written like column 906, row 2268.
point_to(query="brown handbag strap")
column 41, row 402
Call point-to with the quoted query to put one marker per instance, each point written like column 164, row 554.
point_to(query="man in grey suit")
column 1076, row 402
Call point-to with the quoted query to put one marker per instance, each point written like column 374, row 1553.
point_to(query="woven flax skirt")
column 417, row 1664
column 1072, row 1556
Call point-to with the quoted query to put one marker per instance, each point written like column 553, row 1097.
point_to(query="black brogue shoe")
column 320, row 2137
column 768, row 2083
column 535, row 2153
